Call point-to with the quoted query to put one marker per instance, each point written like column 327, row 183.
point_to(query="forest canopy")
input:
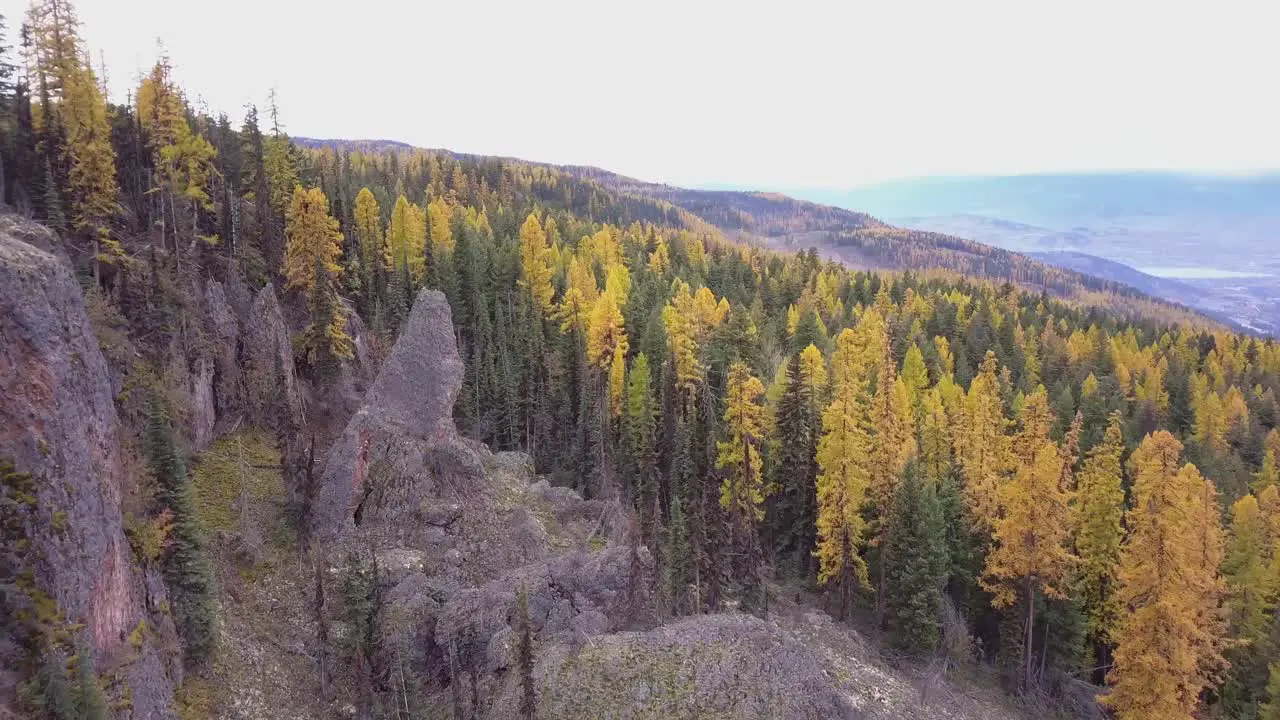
column 1087, row 477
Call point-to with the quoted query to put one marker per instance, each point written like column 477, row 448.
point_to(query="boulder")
column 58, row 425
column 723, row 666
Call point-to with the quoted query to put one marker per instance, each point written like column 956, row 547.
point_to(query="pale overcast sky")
column 783, row 94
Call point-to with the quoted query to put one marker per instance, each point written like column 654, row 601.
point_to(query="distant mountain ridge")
column 1219, row 224
column 782, row 222
column 1119, row 272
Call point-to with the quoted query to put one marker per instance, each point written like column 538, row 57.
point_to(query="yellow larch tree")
column 90, row 157
column 1211, row 422
column 935, row 438
column 59, row 72
column 1247, row 569
column 406, row 240
column 311, row 235
column 982, row 446
column 1029, row 553
column 843, row 479
column 1169, row 639
column 535, row 264
column 742, row 489
column 438, row 217
column 660, row 258
column 607, row 346
column 617, row 282
column 689, row 317
column 579, row 299
column 915, row 375
column 367, row 218
column 579, row 277
column 183, row 159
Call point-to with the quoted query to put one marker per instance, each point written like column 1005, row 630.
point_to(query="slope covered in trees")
column 987, row 449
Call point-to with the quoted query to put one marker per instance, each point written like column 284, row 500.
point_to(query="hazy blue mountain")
column 1058, row 201
column 1219, row 235
column 1168, row 288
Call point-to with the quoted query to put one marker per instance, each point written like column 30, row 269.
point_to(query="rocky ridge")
column 58, row 426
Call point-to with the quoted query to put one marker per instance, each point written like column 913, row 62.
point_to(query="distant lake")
column 1199, row 273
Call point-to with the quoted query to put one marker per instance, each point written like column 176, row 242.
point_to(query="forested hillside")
column 987, row 460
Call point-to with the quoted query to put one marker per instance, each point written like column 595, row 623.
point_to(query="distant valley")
column 1206, row 241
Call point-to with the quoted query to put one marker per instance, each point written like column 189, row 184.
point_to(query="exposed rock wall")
column 269, row 381
column 58, row 422
column 223, row 331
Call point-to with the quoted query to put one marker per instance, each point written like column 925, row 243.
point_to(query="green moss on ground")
column 242, row 462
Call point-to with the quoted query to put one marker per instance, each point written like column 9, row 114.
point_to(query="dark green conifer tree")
column 916, row 574
column 187, row 568
column 794, row 511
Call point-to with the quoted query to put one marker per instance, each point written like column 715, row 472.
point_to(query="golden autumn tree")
column 312, row 236
column 1099, row 533
column 660, row 258
column 579, row 299
column 1169, row 641
column 618, row 283
column 982, row 446
column 535, row 264
column 915, row 375
column 90, row 158
column 689, row 317
column 74, row 106
column 893, row 438
column 406, row 240
column 579, row 277
column 183, row 159
column 1030, row 553
column 1251, row 588
column 843, row 479
column 607, row 346
column 1210, row 429
column 367, row 218
column 742, row 490
column 438, row 218
column 935, row 438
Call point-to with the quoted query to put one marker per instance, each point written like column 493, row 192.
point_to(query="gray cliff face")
column 223, row 330
column 58, row 423
column 268, row 372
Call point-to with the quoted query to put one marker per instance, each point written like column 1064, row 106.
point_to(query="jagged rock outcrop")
column 401, row 446
column 223, row 331
column 201, row 406
column 58, row 423
column 269, row 383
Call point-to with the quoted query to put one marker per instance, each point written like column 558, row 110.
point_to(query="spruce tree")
column 917, row 575
column 86, row 696
column 794, row 514
column 188, row 569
